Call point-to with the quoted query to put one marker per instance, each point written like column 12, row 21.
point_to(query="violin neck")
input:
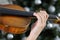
column 10, row 12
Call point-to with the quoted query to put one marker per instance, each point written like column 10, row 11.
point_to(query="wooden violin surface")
column 13, row 24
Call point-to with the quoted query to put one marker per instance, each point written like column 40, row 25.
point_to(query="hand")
column 39, row 25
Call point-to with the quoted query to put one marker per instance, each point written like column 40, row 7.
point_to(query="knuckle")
column 47, row 15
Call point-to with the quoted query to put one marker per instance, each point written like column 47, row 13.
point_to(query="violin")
column 14, row 19
column 14, row 24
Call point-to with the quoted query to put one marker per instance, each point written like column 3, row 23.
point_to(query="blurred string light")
column 53, row 25
column 51, row 9
column 55, row 0
column 10, row 36
column 27, row 9
column 56, row 25
column 49, row 25
column 58, row 14
column 37, row 2
column 3, row 2
column 57, row 38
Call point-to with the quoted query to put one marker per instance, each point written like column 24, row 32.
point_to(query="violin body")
column 14, row 24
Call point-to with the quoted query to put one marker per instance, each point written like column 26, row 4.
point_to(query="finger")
column 44, row 18
column 42, row 13
column 45, row 13
column 39, row 18
column 37, row 15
